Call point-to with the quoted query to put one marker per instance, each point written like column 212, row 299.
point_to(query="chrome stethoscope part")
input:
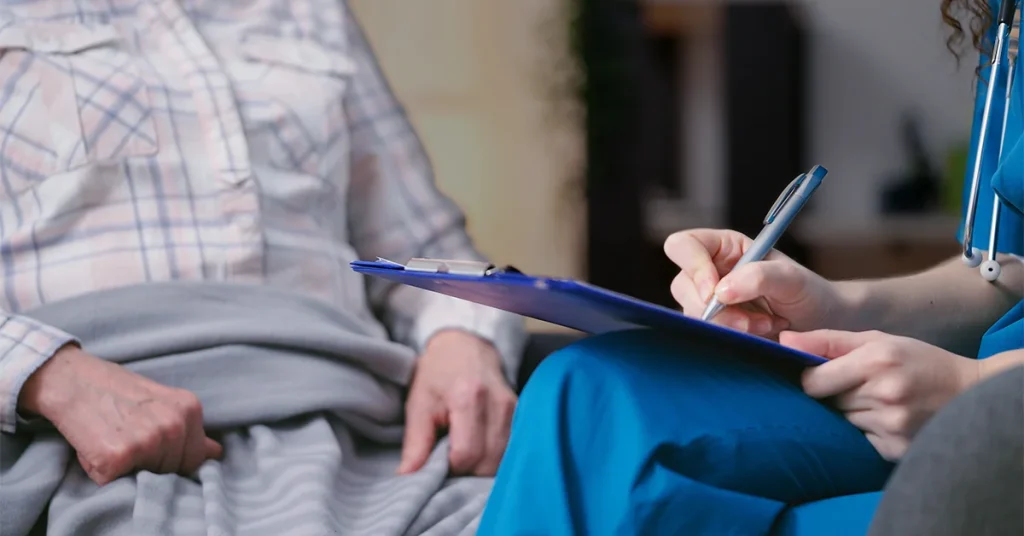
column 990, row 269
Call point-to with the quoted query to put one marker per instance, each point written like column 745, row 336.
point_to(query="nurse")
column 637, row 433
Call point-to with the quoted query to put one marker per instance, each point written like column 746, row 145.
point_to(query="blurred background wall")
column 870, row 62
column 476, row 79
column 693, row 113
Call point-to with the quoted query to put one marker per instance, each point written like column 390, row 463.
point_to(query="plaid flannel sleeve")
column 25, row 344
column 396, row 212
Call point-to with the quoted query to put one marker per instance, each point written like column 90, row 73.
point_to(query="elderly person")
column 183, row 348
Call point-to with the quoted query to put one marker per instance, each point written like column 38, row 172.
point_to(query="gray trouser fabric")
column 964, row 472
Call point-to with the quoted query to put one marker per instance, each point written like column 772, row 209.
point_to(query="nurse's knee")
column 594, row 359
column 601, row 366
column 625, row 357
column 642, row 367
column 566, row 374
column 553, row 375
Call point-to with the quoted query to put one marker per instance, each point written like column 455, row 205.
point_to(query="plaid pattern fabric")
column 253, row 142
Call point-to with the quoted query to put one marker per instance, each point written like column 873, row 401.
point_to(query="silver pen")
column 782, row 213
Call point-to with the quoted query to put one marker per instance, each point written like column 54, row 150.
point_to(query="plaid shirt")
column 251, row 142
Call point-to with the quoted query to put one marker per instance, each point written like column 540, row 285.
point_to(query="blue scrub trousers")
column 640, row 433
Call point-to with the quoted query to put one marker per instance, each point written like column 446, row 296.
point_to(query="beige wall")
column 475, row 77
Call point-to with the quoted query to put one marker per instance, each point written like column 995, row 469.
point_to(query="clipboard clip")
column 457, row 267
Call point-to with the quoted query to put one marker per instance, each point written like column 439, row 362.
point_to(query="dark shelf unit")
column 631, row 147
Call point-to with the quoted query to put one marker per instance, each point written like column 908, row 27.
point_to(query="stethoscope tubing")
column 972, row 258
column 996, row 203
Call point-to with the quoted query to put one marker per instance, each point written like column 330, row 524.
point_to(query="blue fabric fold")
column 1007, row 181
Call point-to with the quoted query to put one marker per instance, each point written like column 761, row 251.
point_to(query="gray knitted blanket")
column 308, row 404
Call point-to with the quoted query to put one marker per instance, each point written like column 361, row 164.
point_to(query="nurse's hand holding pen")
column 763, row 297
column 774, row 291
column 886, row 385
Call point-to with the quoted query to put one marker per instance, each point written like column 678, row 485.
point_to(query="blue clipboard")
column 565, row 302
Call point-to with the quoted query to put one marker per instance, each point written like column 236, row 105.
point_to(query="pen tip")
column 707, row 314
column 711, row 310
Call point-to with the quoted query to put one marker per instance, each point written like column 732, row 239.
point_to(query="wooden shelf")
column 885, row 246
column 921, row 229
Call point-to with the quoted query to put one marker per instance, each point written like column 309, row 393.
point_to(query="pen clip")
column 783, row 198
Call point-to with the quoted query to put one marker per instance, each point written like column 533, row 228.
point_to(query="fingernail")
column 724, row 291
column 707, row 288
column 761, row 326
column 740, row 324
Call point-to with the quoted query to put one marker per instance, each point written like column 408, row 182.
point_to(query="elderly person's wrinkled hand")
column 117, row 421
column 459, row 387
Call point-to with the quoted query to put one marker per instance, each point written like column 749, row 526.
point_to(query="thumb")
column 774, row 280
column 214, row 450
column 420, row 437
column 827, row 343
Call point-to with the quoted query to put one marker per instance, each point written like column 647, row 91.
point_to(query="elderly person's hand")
column 459, row 387
column 887, row 386
column 117, row 421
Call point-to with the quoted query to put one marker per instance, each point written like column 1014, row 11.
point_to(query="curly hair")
column 980, row 16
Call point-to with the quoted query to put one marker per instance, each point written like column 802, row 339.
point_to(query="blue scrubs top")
column 1002, row 176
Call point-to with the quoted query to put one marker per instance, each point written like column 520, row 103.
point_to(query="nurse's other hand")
column 888, row 386
column 762, row 298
